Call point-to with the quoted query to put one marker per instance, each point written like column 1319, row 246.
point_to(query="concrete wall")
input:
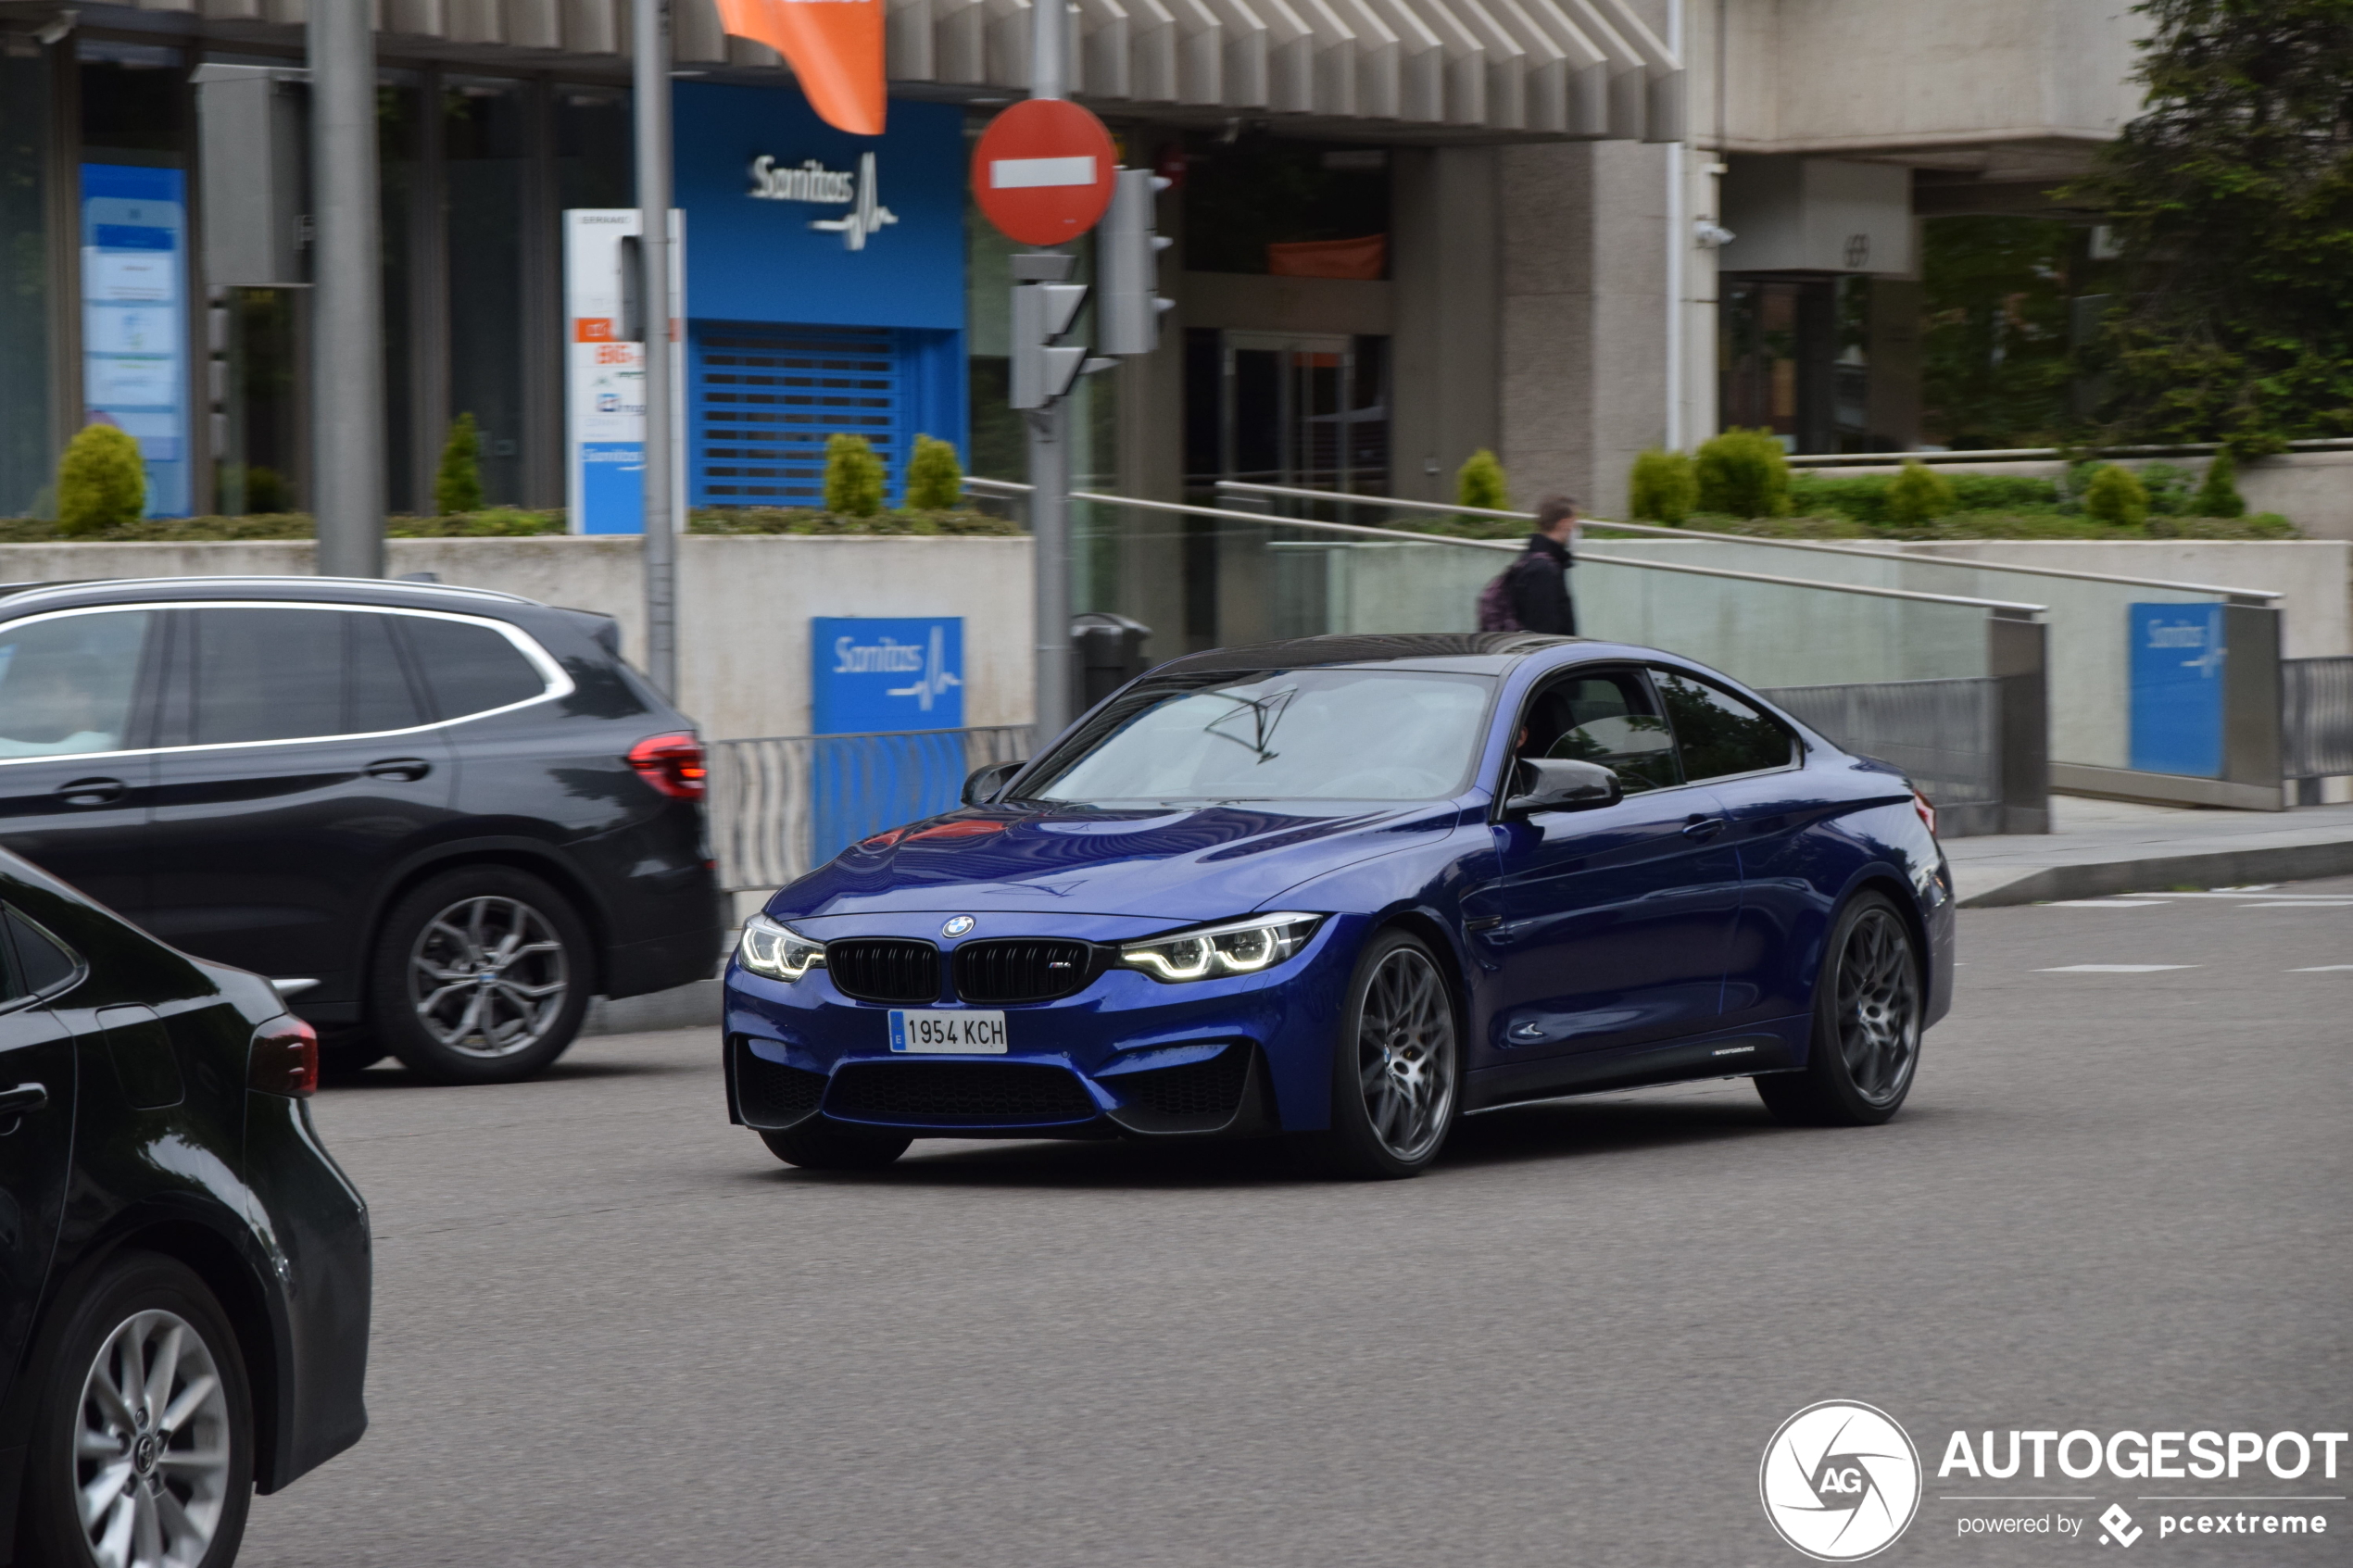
column 745, row 602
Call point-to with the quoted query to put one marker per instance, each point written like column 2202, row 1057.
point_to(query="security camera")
column 53, row 31
column 1711, row 235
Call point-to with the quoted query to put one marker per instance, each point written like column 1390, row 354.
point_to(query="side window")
column 1609, row 718
column 67, row 683
column 469, row 668
column 266, row 675
column 379, row 694
column 1718, row 733
column 42, row 961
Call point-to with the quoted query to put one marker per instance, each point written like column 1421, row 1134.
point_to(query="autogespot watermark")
column 1841, row 1481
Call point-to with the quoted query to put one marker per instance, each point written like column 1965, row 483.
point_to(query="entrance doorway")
column 1308, row 409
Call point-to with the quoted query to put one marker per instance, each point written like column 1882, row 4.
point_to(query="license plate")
column 947, row 1033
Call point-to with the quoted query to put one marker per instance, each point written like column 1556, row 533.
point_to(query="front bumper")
column 1128, row 1055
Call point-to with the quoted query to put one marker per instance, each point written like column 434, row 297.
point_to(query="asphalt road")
column 612, row 1330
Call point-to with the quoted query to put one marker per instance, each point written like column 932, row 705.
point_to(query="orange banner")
column 834, row 46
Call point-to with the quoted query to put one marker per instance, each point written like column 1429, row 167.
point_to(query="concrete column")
column 1444, row 391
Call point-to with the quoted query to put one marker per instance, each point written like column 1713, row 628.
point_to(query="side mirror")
column 1561, row 783
column 982, row 784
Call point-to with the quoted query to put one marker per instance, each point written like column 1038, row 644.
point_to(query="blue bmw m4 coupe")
column 1351, row 889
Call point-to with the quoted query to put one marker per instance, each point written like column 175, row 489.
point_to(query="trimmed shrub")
column 1480, row 482
column 2219, row 495
column 1742, row 473
column 102, row 483
column 1919, row 494
column 1662, row 487
column 2002, row 492
column 934, row 480
column 854, row 477
column 457, row 485
column 2116, row 497
column 2171, row 489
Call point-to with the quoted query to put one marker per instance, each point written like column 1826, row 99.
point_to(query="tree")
column 102, row 483
column 457, row 485
column 2217, row 496
column 2232, row 200
column 934, row 480
column 1480, row 482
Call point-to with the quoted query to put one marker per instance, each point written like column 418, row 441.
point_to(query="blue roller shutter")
column 764, row 398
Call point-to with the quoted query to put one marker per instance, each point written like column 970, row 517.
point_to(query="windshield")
column 1289, row 734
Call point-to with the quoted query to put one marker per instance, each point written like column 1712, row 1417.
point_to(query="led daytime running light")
column 1237, row 947
column 777, row 951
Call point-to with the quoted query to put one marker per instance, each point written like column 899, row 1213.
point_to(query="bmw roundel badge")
column 957, row 926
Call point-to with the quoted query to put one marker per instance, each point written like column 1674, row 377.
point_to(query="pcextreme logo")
column 1841, row 1481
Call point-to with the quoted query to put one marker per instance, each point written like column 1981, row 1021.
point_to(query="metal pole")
column 348, row 375
column 1679, row 243
column 651, row 41
column 1049, row 444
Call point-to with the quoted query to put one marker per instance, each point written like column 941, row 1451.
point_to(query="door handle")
column 23, row 1098
column 407, row 769
column 1703, row 828
column 92, row 791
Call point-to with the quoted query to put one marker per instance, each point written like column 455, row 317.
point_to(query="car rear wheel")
column 481, row 976
column 1868, row 1008
column 1396, row 1066
column 143, row 1442
column 819, row 1144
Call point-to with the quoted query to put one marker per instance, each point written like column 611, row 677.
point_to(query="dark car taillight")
column 1925, row 812
column 285, row 1058
column 673, row 764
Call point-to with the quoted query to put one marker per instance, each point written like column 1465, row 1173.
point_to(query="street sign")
column 1042, row 171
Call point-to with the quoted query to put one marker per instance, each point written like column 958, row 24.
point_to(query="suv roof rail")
column 11, row 592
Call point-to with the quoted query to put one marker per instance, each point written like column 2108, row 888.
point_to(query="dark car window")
column 378, row 689
column 1609, row 717
column 266, row 675
column 469, row 666
column 42, row 961
column 1718, row 733
column 67, row 683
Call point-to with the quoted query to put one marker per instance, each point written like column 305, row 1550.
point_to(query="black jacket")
column 1540, row 587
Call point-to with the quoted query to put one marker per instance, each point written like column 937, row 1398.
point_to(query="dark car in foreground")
column 441, row 819
column 1352, row 888
column 184, row 1272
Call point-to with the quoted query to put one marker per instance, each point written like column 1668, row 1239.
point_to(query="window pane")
column 40, row 961
column 266, row 674
column 485, row 180
column 1608, row 719
column 469, row 668
column 65, row 685
column 1718, row 732
column 27, row 463
column 380, row 696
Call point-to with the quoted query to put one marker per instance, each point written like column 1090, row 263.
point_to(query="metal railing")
column 2316, row 718
column 782, row 806
column 1945, row 734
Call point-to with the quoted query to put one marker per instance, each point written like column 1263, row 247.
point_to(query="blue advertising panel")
column 869, row 674
column 134, row 331
column 2177, row 688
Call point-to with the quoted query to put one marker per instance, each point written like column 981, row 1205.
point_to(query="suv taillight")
column 673, row 764
column 285, row 1058
column 1927, row 812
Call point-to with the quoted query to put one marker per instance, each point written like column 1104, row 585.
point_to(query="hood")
column 1186, row 864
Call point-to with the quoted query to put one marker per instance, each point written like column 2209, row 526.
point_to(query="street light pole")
column 348, row 369
column 1049, row 442
column 651, row 41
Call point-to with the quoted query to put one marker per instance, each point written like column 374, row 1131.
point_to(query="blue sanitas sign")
column 872, row 674
column 2177, row 688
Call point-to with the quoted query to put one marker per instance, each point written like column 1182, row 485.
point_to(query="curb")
column 692, row 1006
column 2215, row 868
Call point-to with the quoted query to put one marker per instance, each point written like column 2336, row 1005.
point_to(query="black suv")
column 440, row 818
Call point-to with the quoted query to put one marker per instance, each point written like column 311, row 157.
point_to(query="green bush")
column 934, row 480
column 1864, row 497
column 2172, row 492
column 1480, row 482
column 805, row 520
column 1662, row 488
column 2219, row 495
column 457, row 485
column 1919, row 494
column 2116, row 497
column 1743, row 472
column 2002, row 492
column 854, row 477
column 101, row 482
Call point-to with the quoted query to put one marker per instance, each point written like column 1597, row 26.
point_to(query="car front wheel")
column 142, row 1441
column 481, row 976
column 1396, row 1066
column 1867, row 1025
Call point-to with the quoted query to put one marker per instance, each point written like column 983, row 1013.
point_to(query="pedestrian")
column 1537, row 581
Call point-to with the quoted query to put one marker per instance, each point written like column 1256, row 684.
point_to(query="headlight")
column 1241, row 947
column 777, row 951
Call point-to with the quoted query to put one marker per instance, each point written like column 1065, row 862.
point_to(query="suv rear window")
column 469, row 668
column 66, row 682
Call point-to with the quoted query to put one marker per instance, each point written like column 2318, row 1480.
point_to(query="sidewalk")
column 2100, row 847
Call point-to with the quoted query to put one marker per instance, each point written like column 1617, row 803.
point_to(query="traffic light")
column 1044, row 307
column 1128, row 258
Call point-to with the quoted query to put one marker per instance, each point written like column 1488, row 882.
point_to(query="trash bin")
column 1106, row 652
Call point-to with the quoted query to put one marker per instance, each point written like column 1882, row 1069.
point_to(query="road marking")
column 2113, row 968
column 2323, row 969
column 2267, row 894
column 2108, row 903
column 2305, row 904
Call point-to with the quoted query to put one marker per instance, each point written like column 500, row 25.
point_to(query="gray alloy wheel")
column 1868, row 1008
column 488, row 977
column 1396, row 1066
column 152, row 1460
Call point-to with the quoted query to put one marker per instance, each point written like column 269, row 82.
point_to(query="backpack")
column 1495, row 601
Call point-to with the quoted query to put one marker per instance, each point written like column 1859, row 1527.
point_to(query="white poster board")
column 605, row 378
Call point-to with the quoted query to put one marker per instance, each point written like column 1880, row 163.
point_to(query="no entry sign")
column 1043, row 171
